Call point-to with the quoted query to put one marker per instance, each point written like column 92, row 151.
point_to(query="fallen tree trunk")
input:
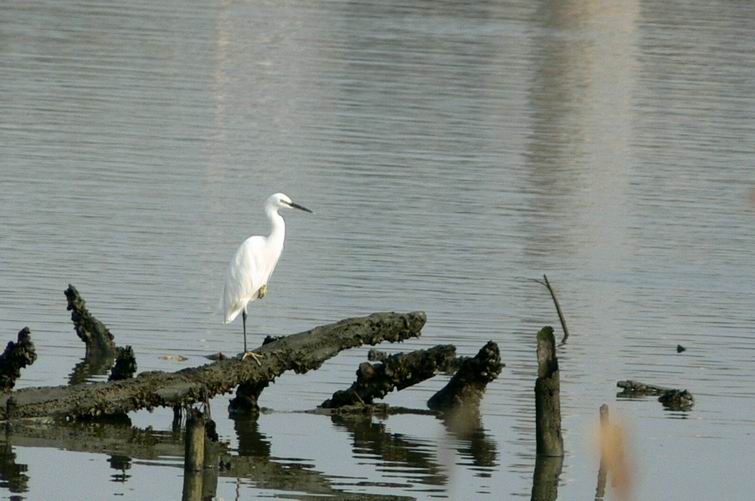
column 397, row 372
column 299, row 352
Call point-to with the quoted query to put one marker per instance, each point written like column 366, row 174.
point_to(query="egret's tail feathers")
column 230, row 314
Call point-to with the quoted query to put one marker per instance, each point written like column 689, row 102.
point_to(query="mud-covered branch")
column 467, row 386
column 394, row 372
column 15, row 357
column 299, row 352
column 671, row 398
column 97, row 337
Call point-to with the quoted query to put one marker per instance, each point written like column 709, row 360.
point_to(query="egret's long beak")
column 300, row 207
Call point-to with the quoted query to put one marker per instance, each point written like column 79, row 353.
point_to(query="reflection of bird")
column 254, row 262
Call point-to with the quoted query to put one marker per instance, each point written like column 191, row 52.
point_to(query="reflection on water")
column 476, row 447
column 13, row 475
column 90, row 369
column 401, row 460
column 121, row 464
column 451, row 151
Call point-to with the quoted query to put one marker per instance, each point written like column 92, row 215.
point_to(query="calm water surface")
column 452, row 152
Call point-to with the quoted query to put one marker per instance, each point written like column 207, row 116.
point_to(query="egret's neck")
column 278, row 226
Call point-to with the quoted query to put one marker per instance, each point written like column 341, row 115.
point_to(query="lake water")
column 452, row 152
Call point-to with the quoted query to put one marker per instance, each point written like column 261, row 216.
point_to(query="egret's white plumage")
column 254, row 262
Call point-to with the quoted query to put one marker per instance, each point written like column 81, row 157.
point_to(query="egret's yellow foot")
column 255, row 356
column 262, row 291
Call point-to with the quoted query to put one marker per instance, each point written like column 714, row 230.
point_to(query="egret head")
column 281, row 200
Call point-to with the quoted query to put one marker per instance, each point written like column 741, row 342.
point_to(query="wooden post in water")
column 194, row 456
column 600, row 490
column 545, row 478
column 547, row 397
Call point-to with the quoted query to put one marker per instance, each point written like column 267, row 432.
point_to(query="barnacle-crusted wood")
column 15, row 357
column 397, row 372
column 125, row 364
column 671, row 398
column 299, row 352
column 97, row 337
column 467, row 386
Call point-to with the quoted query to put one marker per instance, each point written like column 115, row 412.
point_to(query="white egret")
column 254, row 262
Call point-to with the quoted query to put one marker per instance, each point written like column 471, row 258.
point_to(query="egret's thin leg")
column 243, row 318
column 255, row 356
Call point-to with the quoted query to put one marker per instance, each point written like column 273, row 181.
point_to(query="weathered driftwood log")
column 15, row 357
column 97, row 337
column 299, row 352
column 636, row 389
column 194, row 456
column 548, row 397
column 125, row 364
column 450, row 367
column 467, row 386
column 397, row 371
column 671, row 398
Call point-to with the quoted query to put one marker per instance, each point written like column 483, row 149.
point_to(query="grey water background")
column 452, row 152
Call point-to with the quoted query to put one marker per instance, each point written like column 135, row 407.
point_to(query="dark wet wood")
column 671, row 398
column 545, row 478
column 548, row 397
column 97, row 337
column 125, row 364
column 467, row 387
column 299, row 352
column 600, row 489
column 544, row 282
column 394, row 372
column 16, row 356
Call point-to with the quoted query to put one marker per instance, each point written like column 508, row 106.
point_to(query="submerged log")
column 467, row 386
column 550, row 442
column 395, row 372
column 15, row 357
column 299, row 352
column 671, row 398
column 97, row 337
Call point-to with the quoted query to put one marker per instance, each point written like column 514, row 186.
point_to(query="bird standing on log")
column 253, row 263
